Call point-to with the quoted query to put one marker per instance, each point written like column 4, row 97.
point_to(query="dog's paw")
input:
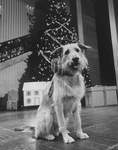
column 68, row 139
column 82, row 135
column 49, row 137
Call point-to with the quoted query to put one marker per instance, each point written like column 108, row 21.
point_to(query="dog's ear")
column 60, row 51
column 83, row 46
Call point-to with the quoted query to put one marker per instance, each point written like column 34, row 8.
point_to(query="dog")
column 65, row 100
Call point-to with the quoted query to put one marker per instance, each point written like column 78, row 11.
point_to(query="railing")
column 19, row 46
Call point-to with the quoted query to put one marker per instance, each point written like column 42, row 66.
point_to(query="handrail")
column 19, row 46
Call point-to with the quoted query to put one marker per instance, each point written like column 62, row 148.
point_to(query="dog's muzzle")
column 75, row 63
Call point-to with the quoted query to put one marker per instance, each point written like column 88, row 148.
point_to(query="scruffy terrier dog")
column 68, row 89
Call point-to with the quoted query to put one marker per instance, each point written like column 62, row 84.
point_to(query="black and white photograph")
column 58, row 74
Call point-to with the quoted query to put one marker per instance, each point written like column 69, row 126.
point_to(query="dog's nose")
column 75, row 60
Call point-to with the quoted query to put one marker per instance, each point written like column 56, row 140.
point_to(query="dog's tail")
column 26, row 129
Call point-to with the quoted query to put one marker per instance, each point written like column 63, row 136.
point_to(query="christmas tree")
column 59, row 31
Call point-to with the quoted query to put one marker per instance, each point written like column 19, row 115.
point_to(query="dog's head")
column 72, row 58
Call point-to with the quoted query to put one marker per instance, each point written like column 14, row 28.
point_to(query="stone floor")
column 101, row 124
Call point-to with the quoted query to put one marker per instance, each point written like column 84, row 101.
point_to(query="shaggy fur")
column 65, row 100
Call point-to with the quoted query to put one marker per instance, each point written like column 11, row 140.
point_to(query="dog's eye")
column 77, row 50
column 67, row 52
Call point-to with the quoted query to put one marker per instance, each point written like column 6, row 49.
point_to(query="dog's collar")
column 62, row 72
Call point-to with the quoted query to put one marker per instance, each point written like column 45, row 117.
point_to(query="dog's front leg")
column 77, row 118
column 62, row 123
